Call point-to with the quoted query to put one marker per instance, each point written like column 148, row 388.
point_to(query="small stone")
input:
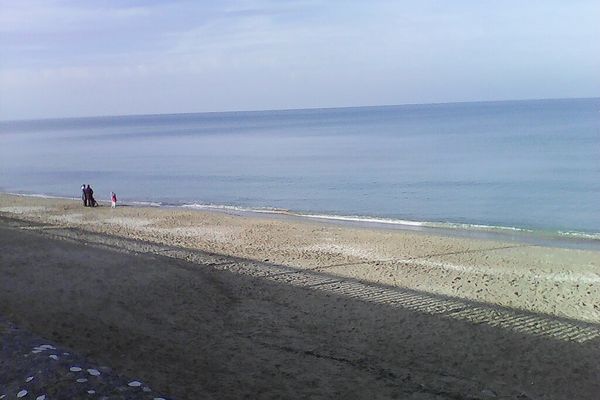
column 53, row 356
column 488, row 393
column 134, row 384
column 93, row 372
column 42, row 397
column 29, row 379
column 2, row 396
column 91, row 391
column 158, row 398
column 66, row 354
column 146, row 389
column 81, row 380
column 22, row 393
column 75, row 369
column 36, row 351
column 47, row 347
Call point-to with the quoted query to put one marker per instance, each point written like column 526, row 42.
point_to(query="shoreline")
column 208, row 305
column 560, row 238
column 201, row 304
column 551, row 280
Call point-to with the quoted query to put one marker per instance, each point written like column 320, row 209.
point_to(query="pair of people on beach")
column 87, row 195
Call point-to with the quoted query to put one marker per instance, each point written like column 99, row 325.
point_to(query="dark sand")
column 200, row 329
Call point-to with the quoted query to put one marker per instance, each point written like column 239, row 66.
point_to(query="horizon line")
column 291, row 109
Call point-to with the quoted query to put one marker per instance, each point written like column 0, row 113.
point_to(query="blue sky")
column 60, row 58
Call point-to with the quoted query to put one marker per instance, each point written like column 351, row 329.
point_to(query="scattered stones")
column 488, row 393
column 134, row 384
column 17, row 358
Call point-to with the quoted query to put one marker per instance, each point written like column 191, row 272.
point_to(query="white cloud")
column 272, row 54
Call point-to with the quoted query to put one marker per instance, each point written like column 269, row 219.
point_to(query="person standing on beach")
column 89, row 194
column 83, row 196
column 113, row 200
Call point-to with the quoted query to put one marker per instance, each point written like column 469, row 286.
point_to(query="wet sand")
column 204, row 304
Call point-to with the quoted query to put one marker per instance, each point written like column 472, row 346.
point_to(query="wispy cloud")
column 30, row 16
column 269, row 54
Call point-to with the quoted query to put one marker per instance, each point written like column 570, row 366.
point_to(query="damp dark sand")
column 192, row 306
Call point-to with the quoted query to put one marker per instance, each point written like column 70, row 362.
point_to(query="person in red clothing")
column 113, row 199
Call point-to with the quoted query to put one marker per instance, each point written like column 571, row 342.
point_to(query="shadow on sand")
column 200, row 325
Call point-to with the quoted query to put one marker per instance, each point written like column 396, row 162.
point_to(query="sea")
column 510, row 166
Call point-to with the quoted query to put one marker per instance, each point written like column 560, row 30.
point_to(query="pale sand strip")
column 555, row 282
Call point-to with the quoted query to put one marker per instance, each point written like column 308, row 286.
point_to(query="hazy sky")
column 60, row 58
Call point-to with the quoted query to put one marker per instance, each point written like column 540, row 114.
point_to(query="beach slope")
column 201, row 305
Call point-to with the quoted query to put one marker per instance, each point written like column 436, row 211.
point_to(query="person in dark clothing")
column 83, row 196
column 86, row 193
column 90, row 197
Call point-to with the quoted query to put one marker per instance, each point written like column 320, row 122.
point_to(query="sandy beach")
column 212, row 305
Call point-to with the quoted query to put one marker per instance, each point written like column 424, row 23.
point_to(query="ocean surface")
column 516, row 165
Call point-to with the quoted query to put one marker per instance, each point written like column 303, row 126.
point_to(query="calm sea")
column 531, row 165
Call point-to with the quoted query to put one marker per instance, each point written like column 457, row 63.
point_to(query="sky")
column 102, row 57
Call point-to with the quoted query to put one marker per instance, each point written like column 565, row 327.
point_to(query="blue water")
column 525, row 164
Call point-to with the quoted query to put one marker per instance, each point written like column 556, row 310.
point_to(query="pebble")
column 81, row 380
column 22, row 393
column 75, row 369
column 53, row 356
column 2, row 396
column 488, row 393
column 91, row 391
column 93, row 372
column 135, row 384
column 47, row 347
column 42, row 397
column 146, row 389
column 159, row 398
column 29, row 379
